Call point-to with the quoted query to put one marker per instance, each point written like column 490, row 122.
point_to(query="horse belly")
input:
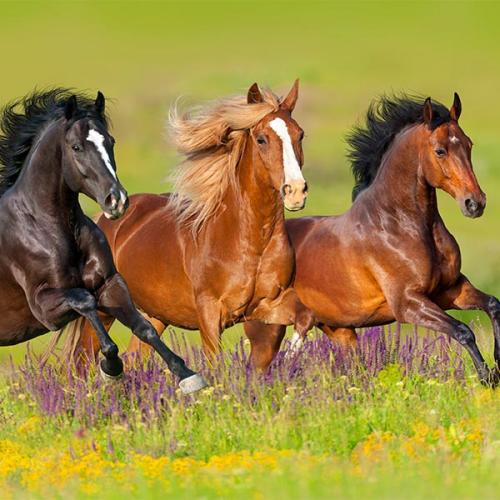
column 339, row 289
column 348, row 309
column 150, row 260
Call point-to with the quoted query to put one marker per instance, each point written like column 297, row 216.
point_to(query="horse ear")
column 456, row 109
column 290, row 100
column 428, row 111
column 254, row 95
column 100, row 103
column 70, row 107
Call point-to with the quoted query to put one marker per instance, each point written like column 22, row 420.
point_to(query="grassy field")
column 405, row 413
column 377, row 439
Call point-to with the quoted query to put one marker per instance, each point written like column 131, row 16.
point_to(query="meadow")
column 405, row 413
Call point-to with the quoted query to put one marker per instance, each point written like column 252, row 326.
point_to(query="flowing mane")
column 21, row 122
column 386, row 117
column 211, row 139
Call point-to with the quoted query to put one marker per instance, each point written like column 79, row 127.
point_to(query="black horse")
column 55, row 263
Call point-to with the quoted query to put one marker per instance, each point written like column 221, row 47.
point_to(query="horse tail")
column 72, row 332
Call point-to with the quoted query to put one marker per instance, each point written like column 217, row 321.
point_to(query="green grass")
column 317, row 434
column 144, row 55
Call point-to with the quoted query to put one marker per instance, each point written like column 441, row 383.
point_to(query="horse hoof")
column 494, row 378
column 110, row 375
column 192, row 384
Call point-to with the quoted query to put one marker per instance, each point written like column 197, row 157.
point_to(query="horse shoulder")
column 448, row 253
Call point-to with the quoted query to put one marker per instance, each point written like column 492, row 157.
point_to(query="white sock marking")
column 296, row 342
column 290, row 163
column 98, row 140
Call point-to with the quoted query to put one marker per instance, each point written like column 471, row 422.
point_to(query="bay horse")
column 216, row 252
column 55, row 263
column 390, row 256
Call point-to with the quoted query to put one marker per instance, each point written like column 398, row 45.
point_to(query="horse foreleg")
column 84, row 344
column 137, row 347
column 115, row 299
column 413, row 307
column 465, row 296
column 211, row 325
column 265, row 341
column 343, row 337
column 49, row 305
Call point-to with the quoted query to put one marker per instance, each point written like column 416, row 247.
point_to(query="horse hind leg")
column 345, row 338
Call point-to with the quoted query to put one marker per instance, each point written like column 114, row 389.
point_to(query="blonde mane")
column 212, row 139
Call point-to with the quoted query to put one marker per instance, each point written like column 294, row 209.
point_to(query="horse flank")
column 212, row 139
column 385, row 118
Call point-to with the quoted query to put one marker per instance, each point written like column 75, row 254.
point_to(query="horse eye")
column 440, row 152
column 261, row 140
column 76, row 147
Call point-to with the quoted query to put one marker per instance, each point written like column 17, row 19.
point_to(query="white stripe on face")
column 98, row 140
column 290, row 163
column 454, row 139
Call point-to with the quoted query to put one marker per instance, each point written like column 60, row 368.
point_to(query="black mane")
column 386, row 116
column 23, row 119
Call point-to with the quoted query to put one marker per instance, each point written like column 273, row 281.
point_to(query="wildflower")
column 30, row 425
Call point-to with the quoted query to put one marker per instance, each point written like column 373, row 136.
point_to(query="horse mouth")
column 295, row 208
column 112, row 215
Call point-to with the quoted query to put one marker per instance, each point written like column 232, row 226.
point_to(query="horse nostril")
column 111, row 200
column 471, row 205
column 286, row 189
column 306, row 188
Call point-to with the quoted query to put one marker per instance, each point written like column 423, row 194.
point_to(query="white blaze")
column 454, row 139
column 290, row 163
column 98, row 140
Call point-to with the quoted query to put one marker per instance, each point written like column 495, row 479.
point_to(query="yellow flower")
column 29, row 425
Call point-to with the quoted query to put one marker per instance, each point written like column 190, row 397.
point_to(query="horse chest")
column 261, row 278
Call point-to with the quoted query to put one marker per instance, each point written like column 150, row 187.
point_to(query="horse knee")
column 83, row 301
column 494, row 306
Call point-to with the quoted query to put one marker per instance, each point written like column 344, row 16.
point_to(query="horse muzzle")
column 294, row 195
column 473, row 205
column 115, row 203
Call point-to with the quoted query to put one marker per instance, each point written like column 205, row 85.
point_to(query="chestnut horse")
column 55, row 263
column 390, row 256
column 216, row 252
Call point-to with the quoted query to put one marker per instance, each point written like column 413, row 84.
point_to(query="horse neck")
column 400, row 185
column 41, row 181
column 253, row 206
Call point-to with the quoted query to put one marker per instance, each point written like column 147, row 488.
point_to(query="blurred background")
column 144, row 55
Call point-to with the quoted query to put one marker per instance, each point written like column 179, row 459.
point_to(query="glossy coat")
column 390, row 257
